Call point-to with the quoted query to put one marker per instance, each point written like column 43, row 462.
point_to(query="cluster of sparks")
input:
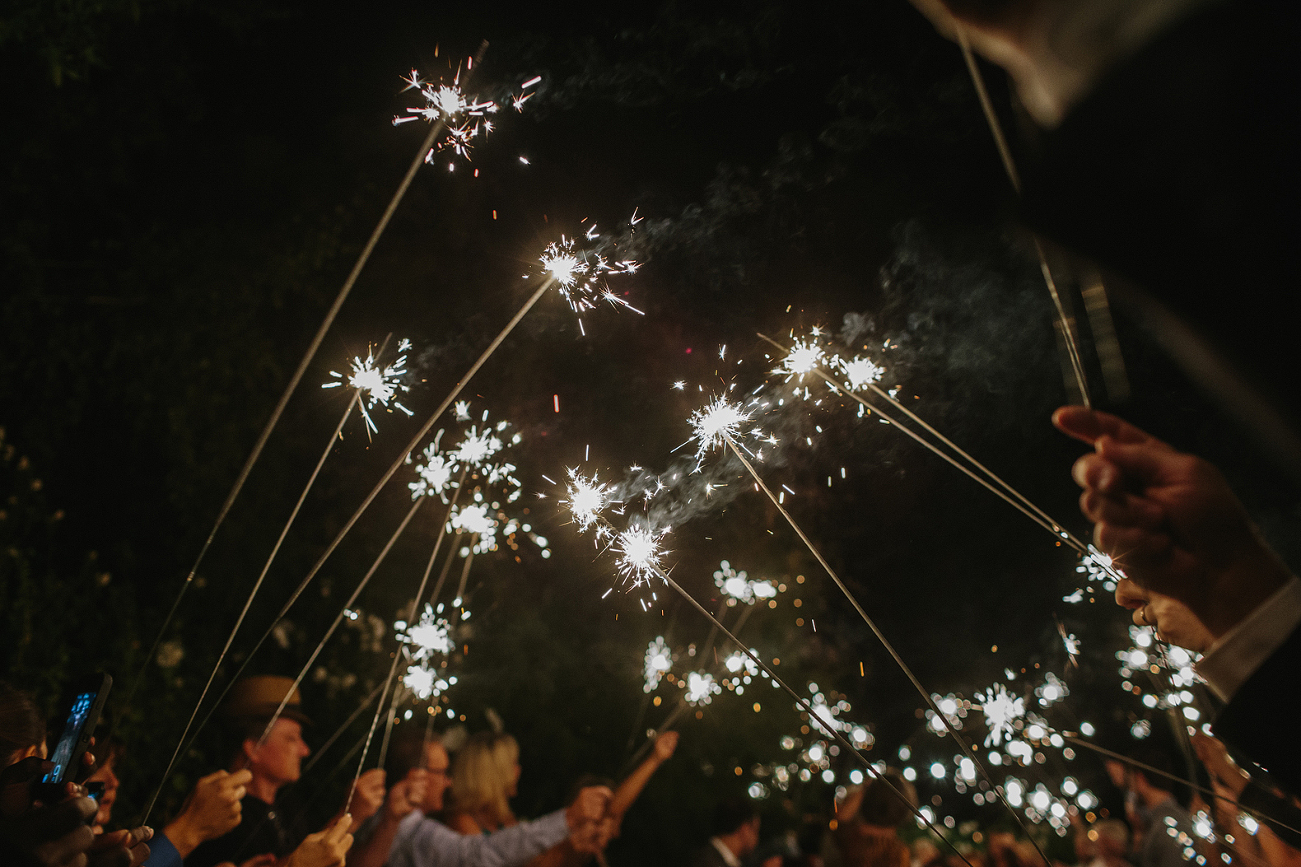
column 424, row 643
column 639, row 551
column 738, row 588
column 580, row 272
column 717, row 424
column 1168, row 672
column 658, row 661
column 376, row 384
column 465, row 117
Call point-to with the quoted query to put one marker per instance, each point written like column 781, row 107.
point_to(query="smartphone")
column 88, row 698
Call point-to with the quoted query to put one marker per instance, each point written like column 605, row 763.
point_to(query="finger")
column 1087, row 425
column 1132, row 546
column 1125, row 510
column 24, row 771
column 338, row 830
column 1095, row 473
column 1147, row 462
column 237, row 780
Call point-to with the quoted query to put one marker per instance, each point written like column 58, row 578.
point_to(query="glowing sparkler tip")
column 716, row 423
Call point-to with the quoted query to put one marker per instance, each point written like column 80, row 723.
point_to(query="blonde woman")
column 485, row 774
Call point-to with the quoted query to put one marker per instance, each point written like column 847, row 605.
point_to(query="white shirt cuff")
column 1234, row 658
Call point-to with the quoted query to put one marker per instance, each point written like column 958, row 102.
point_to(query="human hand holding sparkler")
column 212, row 809
column 406, row 795
column 324, row 848
column 584, row 818
column 1174, row 527
column 367, row 797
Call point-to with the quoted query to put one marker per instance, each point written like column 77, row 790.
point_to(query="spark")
column 716, row 423
column 858, row 372
column 465, row 117
column 428, row 637
column 804, row 357
column 1001, row 710
column 741, row 665
column 587, row 499
column 659, row 659
column 434, row 474
column 476, row 519
column 476, row 448
column 424, row 684
column 639, row 552
column 375, row 384
column 701, row 688
column 738, row 586
column 580, row 273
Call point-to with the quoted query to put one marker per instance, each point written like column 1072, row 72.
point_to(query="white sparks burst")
column 858, row 372
column 465, row 117
column 659, row 659
column 587, row 499
column 427, row 638
column 701, row 688
column 425, row 684
column 639, row 552
column 716, row 423
column 376, row 384
column 741, row 666
column 738, row 587
column 580, row 273
column 477, row 448
column 804, row 357
column 434, row 473
column 474, row 519
column 1001, row 710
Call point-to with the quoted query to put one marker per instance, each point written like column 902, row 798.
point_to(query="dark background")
column 185, row 188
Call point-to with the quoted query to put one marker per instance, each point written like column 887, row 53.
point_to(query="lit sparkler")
column 465, row 117
column 587, row 499
column 424, row 683
column 376, row 384
column 701, row 688
column 1001, row 709
column 804, row 357
column 858, row 372
column 580, row 273
column 434, row 473
column 427, row 638
column 738, row 587
column 659, row 659
column 717, row 423
column 639, row 552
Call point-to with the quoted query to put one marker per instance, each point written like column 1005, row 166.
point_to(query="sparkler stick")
column 434, row 129
column 415, row 607
column 1148, row 769
column 465, row 570
column 361, row 585
column 925, row 694
column 257, row 585
column 1003, row 490
column 1068, row 329
column 338, row 733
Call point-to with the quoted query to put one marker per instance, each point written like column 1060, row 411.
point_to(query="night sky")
column 187, row 188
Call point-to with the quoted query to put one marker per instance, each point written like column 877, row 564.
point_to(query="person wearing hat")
column 273, row 756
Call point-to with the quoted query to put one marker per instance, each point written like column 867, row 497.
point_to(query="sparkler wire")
column 435, row 129
column 338, row 733
column 412, row 611
column 257, row 585
column 807, row 706
column 1007, row 493
column 925, row 694
column 361, row 585
column 1148, row 769
column 1005, row 153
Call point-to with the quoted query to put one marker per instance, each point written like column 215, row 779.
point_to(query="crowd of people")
column 1091, row 75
